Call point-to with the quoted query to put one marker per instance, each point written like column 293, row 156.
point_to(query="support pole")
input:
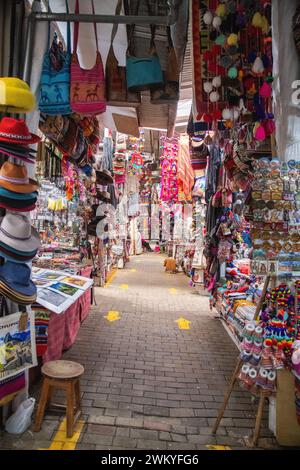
column 164, row 20
column 30, row 36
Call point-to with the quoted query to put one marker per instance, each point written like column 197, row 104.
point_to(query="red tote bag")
column 87, row 85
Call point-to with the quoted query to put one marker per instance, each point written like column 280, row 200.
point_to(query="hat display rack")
column 19, row 241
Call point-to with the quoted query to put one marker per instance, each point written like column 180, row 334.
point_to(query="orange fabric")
column 185, row 172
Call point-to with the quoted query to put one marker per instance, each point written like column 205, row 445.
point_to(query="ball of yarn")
column 214, row 97
column 208, row 17
column 208, row 87
column 217, row 81
column 232, row 72
column 232, row 39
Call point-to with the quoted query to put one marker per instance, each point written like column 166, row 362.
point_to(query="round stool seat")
column 62, row 369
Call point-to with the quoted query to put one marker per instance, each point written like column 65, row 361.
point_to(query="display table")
column 63, row 328
column 56, row 332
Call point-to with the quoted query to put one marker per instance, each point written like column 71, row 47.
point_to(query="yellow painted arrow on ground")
column 210, row 447
column 112, row 315
column 123, row 286
column 183, row 323
column 173, row 291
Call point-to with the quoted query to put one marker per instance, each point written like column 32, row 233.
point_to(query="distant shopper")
column 157, row 247
column 146, row 245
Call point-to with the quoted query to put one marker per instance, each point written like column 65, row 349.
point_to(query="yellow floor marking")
column 183, row 323
column 210, row 447
column 111, row 278
column 123, row 286
column 112, row 315
column 61, row 441
column 133, row 270
column 173, row 290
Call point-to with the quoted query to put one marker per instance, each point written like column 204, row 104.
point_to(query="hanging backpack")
column 87, row 85
column 54, row 92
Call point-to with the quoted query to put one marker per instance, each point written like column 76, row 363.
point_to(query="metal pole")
column 119, row 19
column 29, row 48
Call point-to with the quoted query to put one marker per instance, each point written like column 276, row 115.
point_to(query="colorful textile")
column 10, row 387
column 42, row 316
column 185, row 172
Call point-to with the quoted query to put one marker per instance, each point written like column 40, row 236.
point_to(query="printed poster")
column 17, row 348
column 57, row 291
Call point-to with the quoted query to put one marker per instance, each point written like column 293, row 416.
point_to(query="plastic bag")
column 20, row 420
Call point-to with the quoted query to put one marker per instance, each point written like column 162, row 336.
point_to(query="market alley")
column 149, row 383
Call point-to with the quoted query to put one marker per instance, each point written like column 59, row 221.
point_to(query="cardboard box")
column 287, row 427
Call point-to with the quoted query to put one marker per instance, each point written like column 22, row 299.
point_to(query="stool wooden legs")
column 73, row 408
column 70, row 408
column 42, row 405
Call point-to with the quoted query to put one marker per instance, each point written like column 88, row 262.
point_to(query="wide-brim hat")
column 104, row 177
column 17, row 233
column 17, row 203
column 16, row 96
column 14, row 295
column 17, row 196
column 16, row 130
column 13, row 257
column 17, row 209
column 16, row 157
column 15, row 178
column 18, row 252
column 17, row 278
column 102, row 210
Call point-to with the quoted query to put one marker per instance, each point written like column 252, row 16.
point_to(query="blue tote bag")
column 143, row 73
column 54, row 95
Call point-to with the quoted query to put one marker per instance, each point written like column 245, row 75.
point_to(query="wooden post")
column 262, row 298
column 228, row 393
column 259, row 416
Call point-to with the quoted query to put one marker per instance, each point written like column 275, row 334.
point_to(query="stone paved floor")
column 148, row 384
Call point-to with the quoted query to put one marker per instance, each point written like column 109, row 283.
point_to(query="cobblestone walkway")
column 149, row 384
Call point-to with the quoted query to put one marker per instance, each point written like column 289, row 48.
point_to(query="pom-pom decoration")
column 232, row 39
column 214, row 97
column 217, row 81
column 207, row 87
column 217, row 21
column 208, row 17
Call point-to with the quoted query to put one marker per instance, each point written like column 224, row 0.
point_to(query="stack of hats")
column 99, row 213
column 15, row 139
column 19, row 243
column 18, row 193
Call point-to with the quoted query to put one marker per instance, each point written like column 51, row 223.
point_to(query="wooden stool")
column 62, row 375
